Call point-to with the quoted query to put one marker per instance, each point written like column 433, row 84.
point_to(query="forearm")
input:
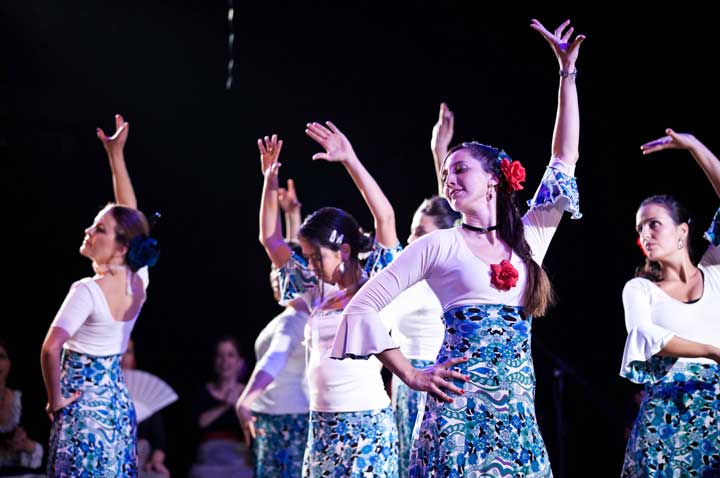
column 270, row 228
column 397, row 363
column 439, row 154
column 292, row 225
column 709, row 164
column 377, row 202
column 207, row 417
column 50, row 365
column 258, row 382
column 683, row 348
column 122, row 186
column 566, row 133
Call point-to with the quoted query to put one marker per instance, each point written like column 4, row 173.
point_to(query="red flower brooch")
column 504, row 275
column 513, row 171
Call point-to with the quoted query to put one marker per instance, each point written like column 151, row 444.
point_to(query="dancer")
column 480, row 417
column 416, row 314
column 673, row 343
column 273, row 408
column 352, row 427
column 94, row 431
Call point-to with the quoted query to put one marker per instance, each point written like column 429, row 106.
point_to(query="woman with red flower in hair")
column 479, row 417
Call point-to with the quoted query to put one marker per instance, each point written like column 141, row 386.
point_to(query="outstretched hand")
column 337, row 146
column 559, row 40
column 269, row 153
column 115, row 143
column 442, row 132
column 288, row 197
column 435, row 377
column 673, row 140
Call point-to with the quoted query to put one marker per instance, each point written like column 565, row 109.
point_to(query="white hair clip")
column 336, row 238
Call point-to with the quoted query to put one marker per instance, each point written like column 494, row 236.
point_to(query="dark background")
column 379, row 72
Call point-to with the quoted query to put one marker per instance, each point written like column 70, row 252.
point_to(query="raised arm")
column 442, row 134
column 566, row 133
column 704, row 157
column 290, row 205
column 270, row 229
column 338, row 149
column 114, row 146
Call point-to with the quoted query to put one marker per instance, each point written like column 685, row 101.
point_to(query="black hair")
column 651, row 270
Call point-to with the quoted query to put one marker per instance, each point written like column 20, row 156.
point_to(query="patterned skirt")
column 352, row 444
column 406, row 402
column 280, row 444
column 491, row 430
column 677, row 431
column 95, row 436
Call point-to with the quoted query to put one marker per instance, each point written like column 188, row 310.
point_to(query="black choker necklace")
column 478, row 229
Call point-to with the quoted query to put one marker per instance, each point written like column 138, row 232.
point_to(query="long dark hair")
column 331, row 227
column 539, row 294
column 439, row 211
column 651, row 270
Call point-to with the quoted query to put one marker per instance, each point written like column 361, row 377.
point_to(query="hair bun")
column 143, row 251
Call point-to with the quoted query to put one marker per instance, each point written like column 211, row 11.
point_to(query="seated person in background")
column 17, row 450
column 151, row 432
column 221, row 452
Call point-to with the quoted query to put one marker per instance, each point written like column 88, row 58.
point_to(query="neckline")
column 107, row 305
column 691, row 301
column 469, row 251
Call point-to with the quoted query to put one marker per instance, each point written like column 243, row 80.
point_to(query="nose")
column 89, row 230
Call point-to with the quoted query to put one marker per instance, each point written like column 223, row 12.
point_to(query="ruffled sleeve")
column 362, row 332
column 297, row 281
column 556, row 194
column 645, row 339
column 380, row 257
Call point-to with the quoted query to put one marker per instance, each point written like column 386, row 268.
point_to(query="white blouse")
column 335, row 386
column 652, row 318
column 416, row 322
column 280, row 353
column 85, row 315
column 453, row 272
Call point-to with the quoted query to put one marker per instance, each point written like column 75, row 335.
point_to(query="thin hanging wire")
column 230, row 44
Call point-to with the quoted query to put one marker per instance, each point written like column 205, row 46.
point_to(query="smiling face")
column 322, row 260
column 100, row 243
column 661, row 238
column 466, row 181
column 228, row 362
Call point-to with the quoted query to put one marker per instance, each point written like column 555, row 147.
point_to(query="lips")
column 453, row 194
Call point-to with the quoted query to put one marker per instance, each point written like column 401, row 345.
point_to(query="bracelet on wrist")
column 566, row 73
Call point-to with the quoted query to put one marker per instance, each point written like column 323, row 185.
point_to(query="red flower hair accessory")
column 513, row 171
column 504, row 275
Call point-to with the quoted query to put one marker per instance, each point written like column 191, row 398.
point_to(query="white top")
column 86, row 317
column 280, row 353
column 652, row 317
column 453, row 272
column 417, row 325
column 335, row 386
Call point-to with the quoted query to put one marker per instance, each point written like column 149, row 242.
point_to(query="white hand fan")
column 148, row 392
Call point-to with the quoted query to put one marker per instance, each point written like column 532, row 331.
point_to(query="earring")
column 490, row 193
column 680, row 243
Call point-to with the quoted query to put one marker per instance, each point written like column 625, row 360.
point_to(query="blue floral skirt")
column 677, row 431
column 95, row 436
column 280, row 444
column 491, row 430
column 407, row 402
column 352, row 444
